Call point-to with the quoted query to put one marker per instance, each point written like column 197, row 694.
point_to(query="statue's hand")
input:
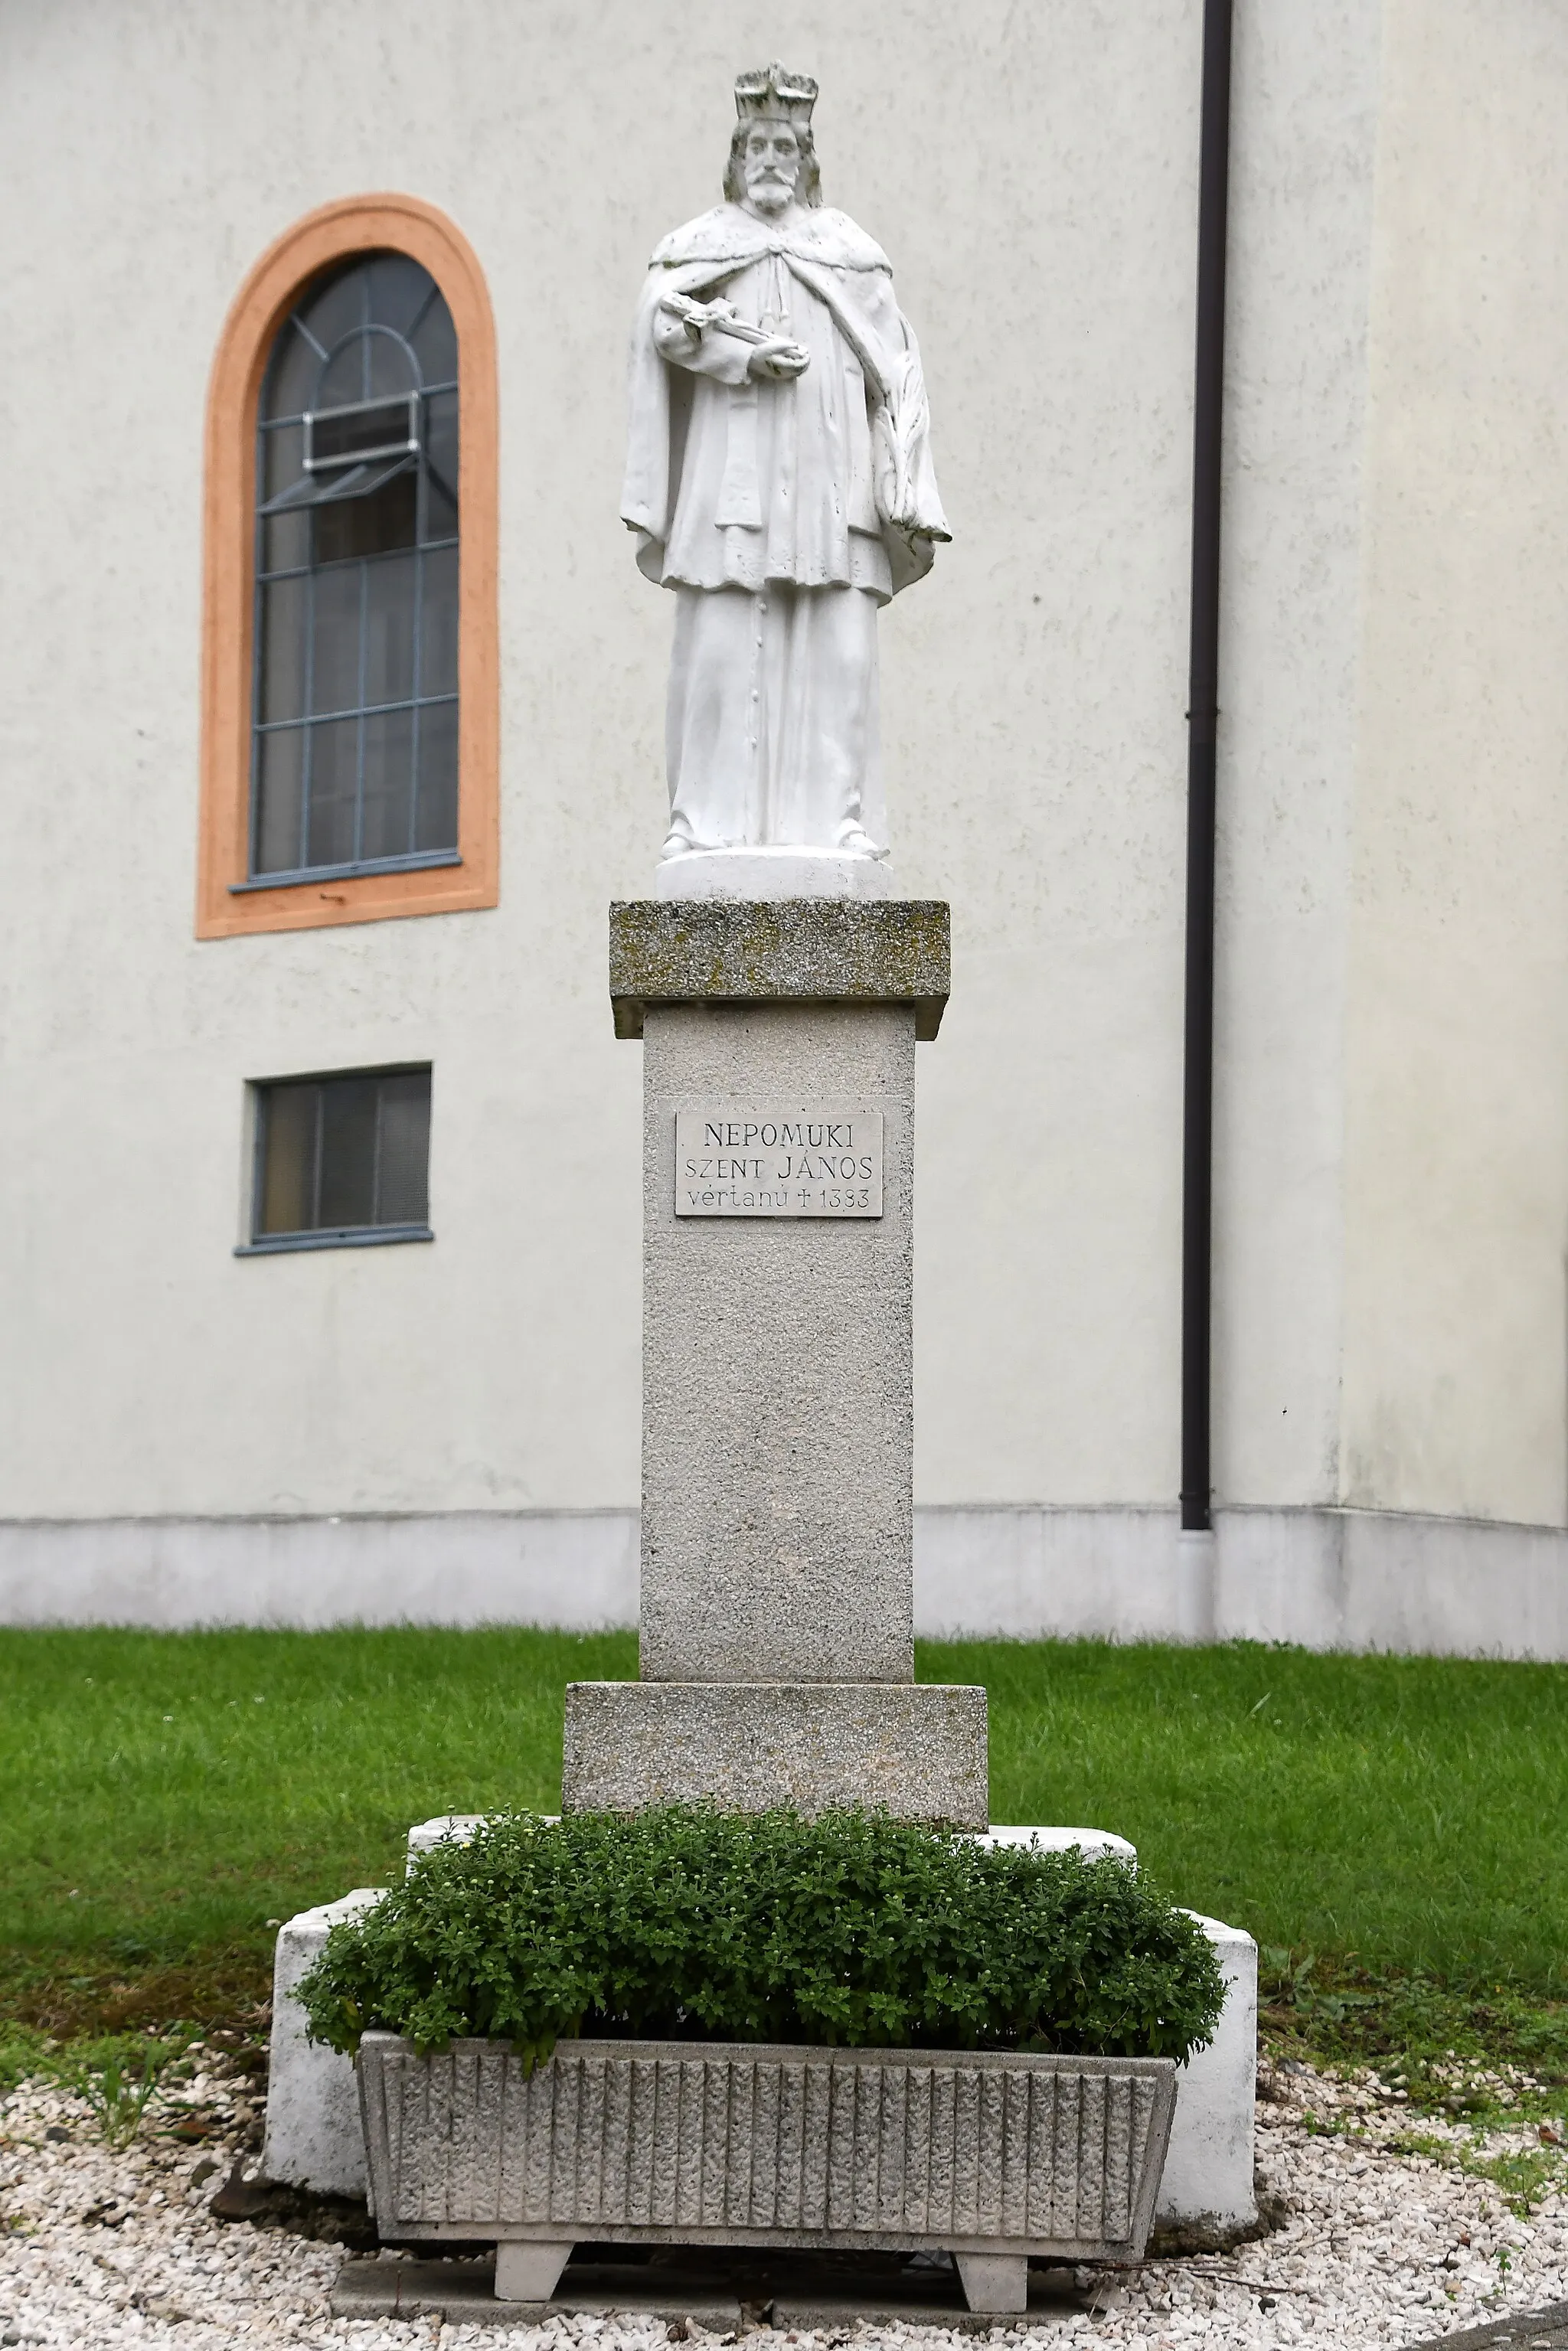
column 778, row 359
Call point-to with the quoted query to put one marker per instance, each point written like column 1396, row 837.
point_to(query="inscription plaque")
column 821, row 1159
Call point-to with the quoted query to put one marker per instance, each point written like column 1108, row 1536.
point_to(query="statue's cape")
column 850, row 273
column 732, row 237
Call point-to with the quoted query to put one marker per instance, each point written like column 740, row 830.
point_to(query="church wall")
column 1035, row 750
column 453, row 1429
column 1457, row 1034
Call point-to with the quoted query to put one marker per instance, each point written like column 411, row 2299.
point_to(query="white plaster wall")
column 1457, row 1035
column 1033, row 173
column 1304, row 125
column 1330, row 1579
column 1392, row 1130
column 1043, row 769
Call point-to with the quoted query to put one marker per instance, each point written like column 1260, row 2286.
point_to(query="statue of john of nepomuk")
column 779, row 481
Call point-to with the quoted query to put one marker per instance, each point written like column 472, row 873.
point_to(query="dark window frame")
column 321, row 488
column 325, row 1237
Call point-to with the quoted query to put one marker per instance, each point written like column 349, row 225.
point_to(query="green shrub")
column 690, row 1924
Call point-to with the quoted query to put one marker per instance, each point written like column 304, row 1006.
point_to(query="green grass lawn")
column 163, row 1796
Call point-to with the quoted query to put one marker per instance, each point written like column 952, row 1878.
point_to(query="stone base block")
column 1206, row 2196
column 313, row 2135
column 529, row 2272
column 919, row 1748
column 994, row 2281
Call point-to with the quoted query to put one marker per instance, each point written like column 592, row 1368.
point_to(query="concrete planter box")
column 992, row 2156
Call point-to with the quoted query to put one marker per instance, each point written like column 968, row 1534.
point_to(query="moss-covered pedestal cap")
column 777, row 951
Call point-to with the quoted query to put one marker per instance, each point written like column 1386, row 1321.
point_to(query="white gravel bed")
column 1381, row 2248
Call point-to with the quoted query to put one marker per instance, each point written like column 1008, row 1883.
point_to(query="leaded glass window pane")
column 354, row 765
column 279, row 799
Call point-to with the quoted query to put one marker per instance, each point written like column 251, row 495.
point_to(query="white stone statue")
column 779, row 480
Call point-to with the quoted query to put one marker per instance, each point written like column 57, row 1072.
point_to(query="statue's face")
column 771, row 163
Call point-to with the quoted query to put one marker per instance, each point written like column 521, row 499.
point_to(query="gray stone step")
column 722, row 2293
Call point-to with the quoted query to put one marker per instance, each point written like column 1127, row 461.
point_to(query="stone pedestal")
column 778, row 1398
column 777, row 1653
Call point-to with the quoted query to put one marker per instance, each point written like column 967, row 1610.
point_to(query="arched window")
column 354, row 753
column 350, row 663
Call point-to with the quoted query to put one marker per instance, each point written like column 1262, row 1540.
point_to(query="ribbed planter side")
column 705, row 2143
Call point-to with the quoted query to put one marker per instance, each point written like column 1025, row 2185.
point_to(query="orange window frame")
column 335, row 232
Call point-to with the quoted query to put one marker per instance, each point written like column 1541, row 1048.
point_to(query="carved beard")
column 767, row 182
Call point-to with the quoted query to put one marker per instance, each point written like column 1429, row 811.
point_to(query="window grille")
column 341, row 1160
column 354, row 739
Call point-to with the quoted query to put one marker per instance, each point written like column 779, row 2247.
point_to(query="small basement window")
column 341, row 1161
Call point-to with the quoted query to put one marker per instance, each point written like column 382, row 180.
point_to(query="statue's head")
column 772, row 162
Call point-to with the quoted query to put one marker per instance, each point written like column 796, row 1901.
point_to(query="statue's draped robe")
column 757, row 502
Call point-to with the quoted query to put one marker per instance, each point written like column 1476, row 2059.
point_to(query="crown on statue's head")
column 773, row 91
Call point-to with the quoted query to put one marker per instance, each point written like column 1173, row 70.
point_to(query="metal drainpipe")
column 1203, row 714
